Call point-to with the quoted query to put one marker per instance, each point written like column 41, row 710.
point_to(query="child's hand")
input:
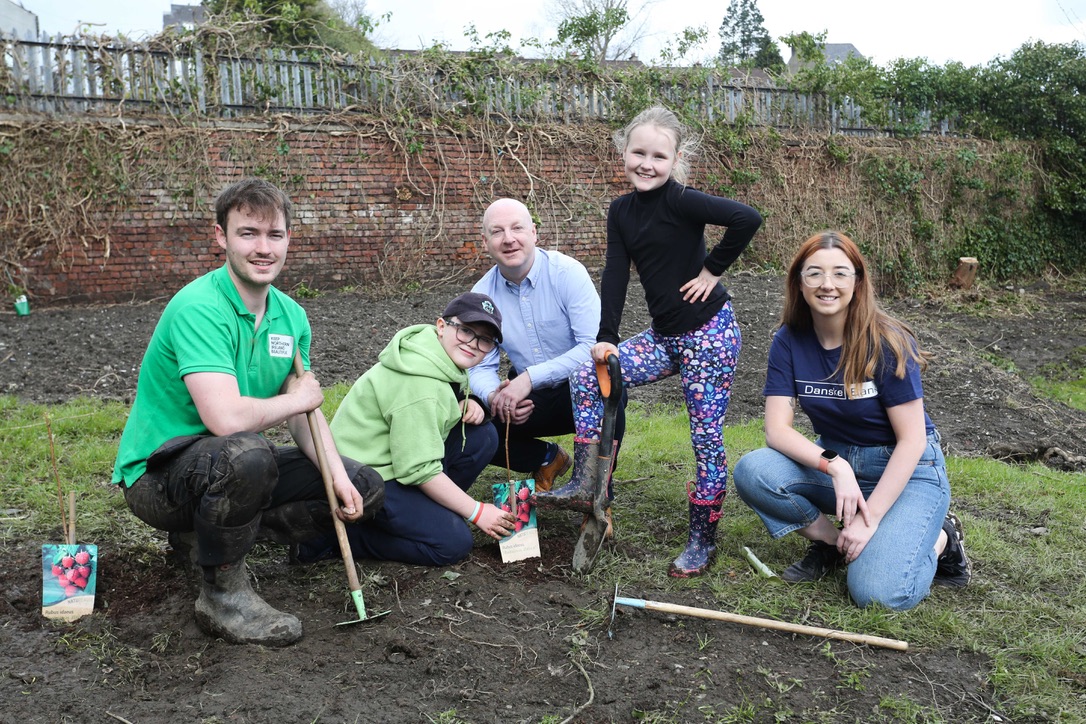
column 473, row 412
column 700, row 287
column 601, row 351
column 495, row 522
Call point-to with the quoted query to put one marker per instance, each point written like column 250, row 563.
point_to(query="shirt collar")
column 226, row 286
column 539, row 265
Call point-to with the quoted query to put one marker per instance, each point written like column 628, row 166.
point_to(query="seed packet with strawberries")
column 516, row 496
column 69, row 574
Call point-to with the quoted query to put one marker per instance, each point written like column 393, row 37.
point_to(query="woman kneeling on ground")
column 876, row 465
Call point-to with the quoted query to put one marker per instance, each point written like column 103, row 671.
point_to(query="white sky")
column 970, row 31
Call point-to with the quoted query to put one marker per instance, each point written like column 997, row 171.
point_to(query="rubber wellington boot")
column 701, row 545
column 578, row 493
column 229, row 609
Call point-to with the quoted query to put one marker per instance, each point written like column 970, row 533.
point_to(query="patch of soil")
column 492, row 641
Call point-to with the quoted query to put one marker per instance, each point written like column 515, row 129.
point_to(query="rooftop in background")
column 833, row 52
column 187, row 16
column 17, row 20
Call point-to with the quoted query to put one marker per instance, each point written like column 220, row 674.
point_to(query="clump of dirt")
column 490, row 641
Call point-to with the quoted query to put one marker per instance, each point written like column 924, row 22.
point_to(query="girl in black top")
column 660, row 228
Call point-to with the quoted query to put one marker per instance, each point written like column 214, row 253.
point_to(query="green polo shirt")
column 206, row 328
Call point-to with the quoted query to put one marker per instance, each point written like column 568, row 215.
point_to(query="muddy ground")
column 495, row 642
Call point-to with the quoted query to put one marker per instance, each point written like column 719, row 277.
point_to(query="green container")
column 22, row 306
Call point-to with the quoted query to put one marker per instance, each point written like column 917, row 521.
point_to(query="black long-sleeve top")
column 662, row 232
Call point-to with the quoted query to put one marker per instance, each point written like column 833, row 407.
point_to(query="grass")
column 1026, row 610
column 1065, row 381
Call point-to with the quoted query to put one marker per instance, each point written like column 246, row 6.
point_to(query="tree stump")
column 965, row 274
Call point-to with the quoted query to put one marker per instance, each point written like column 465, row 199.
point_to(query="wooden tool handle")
column 764, row 623
column 329, row 486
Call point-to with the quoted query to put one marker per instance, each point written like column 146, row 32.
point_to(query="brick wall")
column 367, row 211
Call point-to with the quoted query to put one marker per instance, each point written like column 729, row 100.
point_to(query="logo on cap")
column 488, row 307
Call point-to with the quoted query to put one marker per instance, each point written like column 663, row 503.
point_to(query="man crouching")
column 216, row 374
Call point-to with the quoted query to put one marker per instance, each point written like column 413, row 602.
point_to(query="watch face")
column 829, row 455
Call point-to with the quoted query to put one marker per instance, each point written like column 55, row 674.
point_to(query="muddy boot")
column 578, row 493
column 701, row 545
column 229, row 609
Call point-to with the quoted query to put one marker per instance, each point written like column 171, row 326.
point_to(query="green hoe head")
column 360, row 607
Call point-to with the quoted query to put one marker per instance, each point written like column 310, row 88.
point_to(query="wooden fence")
column 62, row 76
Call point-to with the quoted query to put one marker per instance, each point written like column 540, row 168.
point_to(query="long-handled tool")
column 595, row 528
column 333, row 502
column 753, row 621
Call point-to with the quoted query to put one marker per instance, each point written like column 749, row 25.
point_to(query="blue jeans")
column 896, row 567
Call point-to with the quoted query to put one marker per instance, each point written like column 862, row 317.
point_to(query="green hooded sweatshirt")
column 397, row 415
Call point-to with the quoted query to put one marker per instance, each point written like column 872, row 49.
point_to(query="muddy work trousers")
column 230, row 489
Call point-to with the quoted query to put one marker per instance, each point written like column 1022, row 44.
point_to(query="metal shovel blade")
column 589, row 544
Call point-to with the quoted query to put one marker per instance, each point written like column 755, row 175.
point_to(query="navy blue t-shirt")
column 800, row 368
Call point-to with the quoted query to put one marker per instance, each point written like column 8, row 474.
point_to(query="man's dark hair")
column 257, row 195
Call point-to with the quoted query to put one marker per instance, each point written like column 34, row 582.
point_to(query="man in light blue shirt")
column 550, row 318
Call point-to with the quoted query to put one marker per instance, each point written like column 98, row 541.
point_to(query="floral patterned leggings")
column 705, row 358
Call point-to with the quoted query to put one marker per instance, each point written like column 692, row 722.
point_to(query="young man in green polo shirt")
column 217, row 373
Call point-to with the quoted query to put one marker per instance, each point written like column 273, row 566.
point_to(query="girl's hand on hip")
column 700, row 287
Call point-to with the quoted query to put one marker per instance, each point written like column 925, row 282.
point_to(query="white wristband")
column 474, row 513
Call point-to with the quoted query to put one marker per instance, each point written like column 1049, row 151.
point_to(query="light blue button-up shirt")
column 549, row 322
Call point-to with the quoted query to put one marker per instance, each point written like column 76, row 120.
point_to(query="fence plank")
column 50, row 74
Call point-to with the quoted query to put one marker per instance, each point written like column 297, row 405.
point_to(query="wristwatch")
column 828, row 456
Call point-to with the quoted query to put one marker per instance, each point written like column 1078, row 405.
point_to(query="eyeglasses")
column 813, row 278
column 467, row 335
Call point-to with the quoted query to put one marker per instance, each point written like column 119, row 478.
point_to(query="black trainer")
column 821, row 558
column 953, row 567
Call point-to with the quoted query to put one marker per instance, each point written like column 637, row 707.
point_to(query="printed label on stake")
column 516, row 496
column 69, row 575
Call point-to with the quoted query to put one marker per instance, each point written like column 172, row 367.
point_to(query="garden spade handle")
column 333, row 501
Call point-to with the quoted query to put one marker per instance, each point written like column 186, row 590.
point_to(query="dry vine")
column 67, row 184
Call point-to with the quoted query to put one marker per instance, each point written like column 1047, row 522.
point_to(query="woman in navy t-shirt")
column 877, row 465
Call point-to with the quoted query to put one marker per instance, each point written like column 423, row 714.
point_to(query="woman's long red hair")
column 869, row 330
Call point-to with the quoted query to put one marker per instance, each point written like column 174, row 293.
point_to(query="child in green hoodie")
column 412, row 419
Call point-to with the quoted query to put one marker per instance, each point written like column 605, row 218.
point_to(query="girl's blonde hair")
column 686, row 144
column 869, row 330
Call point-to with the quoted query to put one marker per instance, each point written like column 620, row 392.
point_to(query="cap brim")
column 479, row 319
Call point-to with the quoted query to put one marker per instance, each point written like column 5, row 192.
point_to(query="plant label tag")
column 69, row 574
column 516, row 496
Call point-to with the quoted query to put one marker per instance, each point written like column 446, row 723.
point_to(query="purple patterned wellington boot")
column 701, row 546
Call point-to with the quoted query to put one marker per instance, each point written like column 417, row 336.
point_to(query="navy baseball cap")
column 475, row 307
